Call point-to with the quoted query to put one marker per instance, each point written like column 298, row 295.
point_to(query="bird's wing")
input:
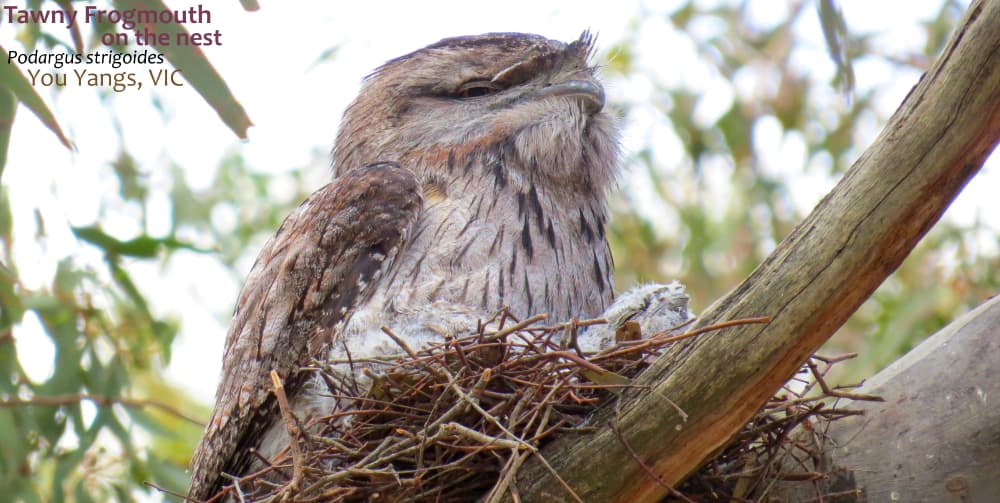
column 320, row 264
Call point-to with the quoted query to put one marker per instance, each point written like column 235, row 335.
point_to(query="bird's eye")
column 477, row 88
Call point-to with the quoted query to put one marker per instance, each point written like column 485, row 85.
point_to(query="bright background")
column 272, row 61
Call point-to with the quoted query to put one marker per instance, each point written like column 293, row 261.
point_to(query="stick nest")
column 455, row 421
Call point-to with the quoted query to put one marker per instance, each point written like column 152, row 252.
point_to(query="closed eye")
column 477, row 88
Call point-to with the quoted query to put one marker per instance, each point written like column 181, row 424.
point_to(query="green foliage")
column 197, row 70
column 834, row 31
column 103, row 422
column 110, row 350
column 13, row 82
column 101, row 345
column 711, row 243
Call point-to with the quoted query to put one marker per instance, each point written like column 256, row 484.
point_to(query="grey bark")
column 936, row 438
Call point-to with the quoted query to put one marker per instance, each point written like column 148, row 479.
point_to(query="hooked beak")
column 590, row 93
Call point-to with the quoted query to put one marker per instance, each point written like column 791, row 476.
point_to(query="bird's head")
column 529, row 105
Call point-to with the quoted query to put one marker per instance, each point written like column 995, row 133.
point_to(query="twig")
column 840, row 394
column 664, row 337
column 236, row 486
column 291, row 425
column 482, row 438
column 400, row 342
column 506, row 477
column 500, row 334
column 260, row 457
column 104, row 401
column 830, row 360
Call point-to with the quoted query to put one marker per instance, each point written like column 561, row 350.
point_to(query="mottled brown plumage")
column 305, row 281
column 503, row 157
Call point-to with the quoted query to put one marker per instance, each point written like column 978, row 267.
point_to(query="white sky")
column 267, row 53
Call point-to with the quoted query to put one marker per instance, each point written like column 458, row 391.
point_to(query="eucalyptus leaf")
column 195, row 68
column 13, row 81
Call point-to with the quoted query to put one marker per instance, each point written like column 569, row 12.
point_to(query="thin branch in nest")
column 261, row 458
column 399, row 342
column 500, row 334
column 663, row 338
column 573, row 331
column 830, row 360
column 457, row 348
column 236, row 486
column 836, row 393
column 291, row 424
column 484, row 439
column 507, row 476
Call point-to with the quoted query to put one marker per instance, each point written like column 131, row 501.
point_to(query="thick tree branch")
column 936, row 437
column 814, row 280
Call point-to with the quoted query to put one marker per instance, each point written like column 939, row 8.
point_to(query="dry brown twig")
column 292, row 426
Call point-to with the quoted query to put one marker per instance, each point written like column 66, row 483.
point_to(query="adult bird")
column 468, row 176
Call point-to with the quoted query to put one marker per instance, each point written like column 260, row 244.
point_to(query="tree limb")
column 936, row 437
column 816, row 278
